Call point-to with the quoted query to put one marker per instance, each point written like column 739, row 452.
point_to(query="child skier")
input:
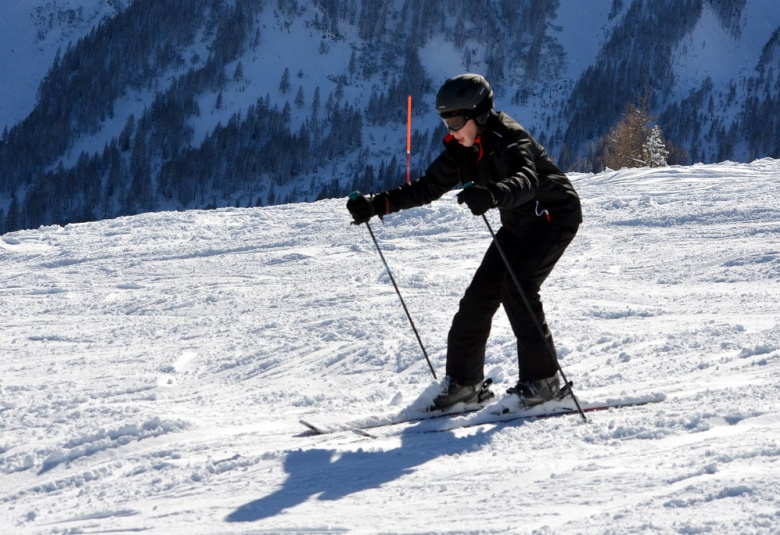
column 540, row 214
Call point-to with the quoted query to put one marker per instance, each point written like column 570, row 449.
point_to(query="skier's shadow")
column 331, row 475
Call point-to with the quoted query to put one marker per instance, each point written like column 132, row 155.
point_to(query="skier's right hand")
column 478, row 197
column 363, row 207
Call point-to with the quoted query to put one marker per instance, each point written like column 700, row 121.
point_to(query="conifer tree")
column 284, row 84
column 315, row 105
column 654, row 150
column 238, row 74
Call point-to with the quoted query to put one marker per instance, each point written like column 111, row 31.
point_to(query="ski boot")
column 535, row 392
column 458, row 393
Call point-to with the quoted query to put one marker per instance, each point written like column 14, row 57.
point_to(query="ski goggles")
column 455, row 122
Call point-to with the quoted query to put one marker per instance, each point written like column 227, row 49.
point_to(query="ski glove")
column 478, row 197
column 363, row 207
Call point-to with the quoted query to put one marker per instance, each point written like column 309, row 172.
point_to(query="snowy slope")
column 31, row 33
column 153, row 369
column 719, row 53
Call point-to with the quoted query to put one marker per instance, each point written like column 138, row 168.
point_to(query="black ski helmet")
column 467, row 94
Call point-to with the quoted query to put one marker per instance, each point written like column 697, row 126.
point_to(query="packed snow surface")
column 153, row 369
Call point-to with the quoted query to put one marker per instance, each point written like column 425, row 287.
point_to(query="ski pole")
column 532, row 314
column 354, row 195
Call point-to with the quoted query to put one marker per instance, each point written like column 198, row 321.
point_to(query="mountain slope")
column 245, row 103
column 31, row 32
column 154, row 368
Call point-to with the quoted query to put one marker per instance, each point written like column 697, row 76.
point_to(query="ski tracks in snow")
column 154, row 368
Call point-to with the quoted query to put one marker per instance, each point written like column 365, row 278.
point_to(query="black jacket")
column 528, row 186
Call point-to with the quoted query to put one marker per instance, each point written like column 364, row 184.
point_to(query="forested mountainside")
column 164, row 104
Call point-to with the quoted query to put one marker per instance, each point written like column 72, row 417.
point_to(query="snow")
column 31, row 33
column 715, row 52
column 574, row 28
column 154, row 369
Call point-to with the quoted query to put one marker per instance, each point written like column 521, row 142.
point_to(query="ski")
column 515, row 413
column 506, row 409
column 362, row 425
column 408, row 415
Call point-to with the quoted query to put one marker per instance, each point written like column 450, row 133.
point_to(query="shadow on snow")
column 331, row 475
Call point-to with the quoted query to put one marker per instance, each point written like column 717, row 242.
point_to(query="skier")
column 503, row 167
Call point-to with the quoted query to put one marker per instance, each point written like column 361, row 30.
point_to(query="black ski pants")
column 532, row 255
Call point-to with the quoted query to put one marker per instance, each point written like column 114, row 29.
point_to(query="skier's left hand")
column 478, row 198
column 361, row 208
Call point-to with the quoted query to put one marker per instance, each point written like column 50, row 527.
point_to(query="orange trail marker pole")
column 409, row 140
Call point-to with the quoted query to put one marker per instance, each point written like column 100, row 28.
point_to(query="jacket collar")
column 478, row 143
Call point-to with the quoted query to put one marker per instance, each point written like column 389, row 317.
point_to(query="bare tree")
column 634, row 143
column 623, row 146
